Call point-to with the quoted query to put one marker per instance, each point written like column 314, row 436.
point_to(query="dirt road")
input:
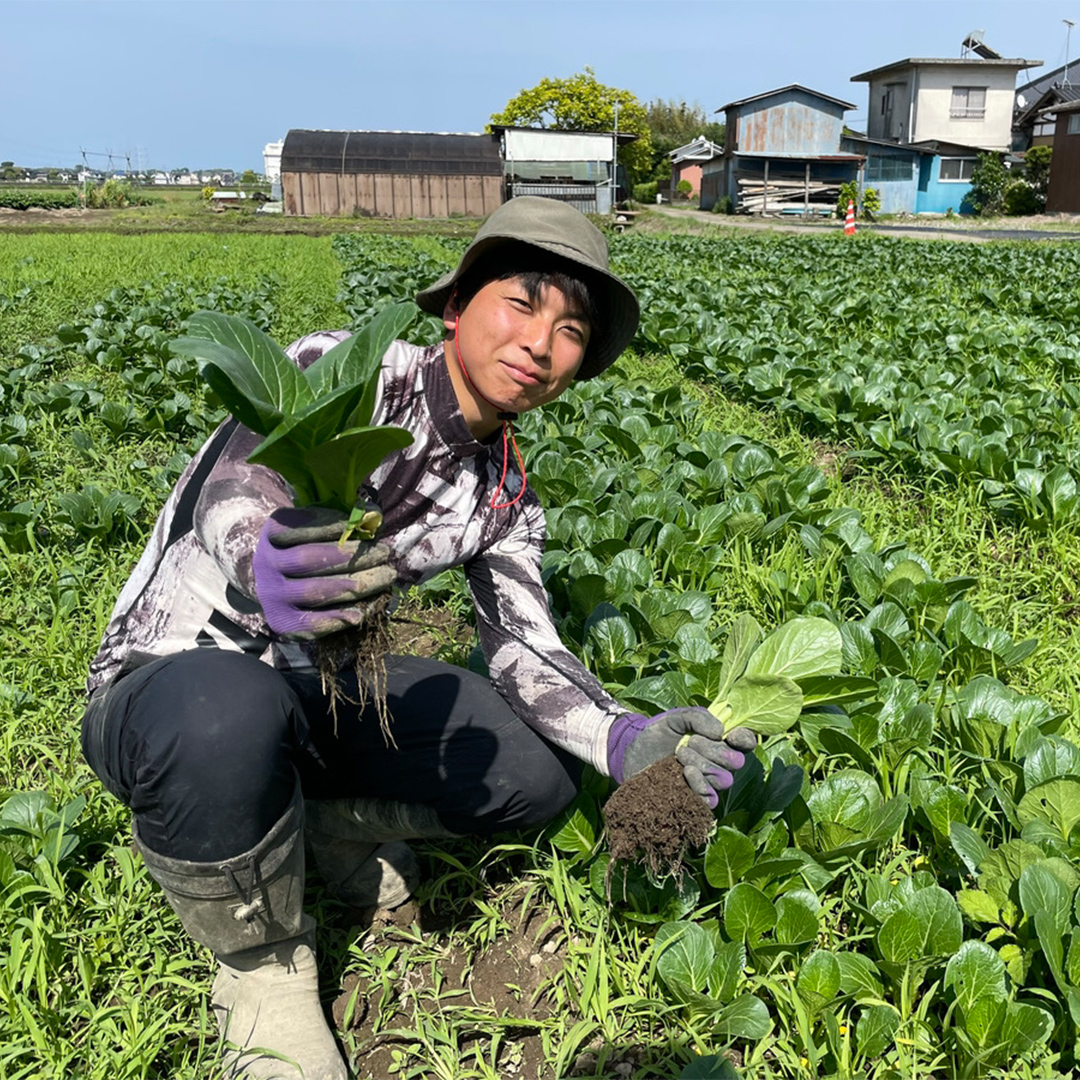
column 925, row 232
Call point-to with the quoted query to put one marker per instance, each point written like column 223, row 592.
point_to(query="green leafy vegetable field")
column 870, row 443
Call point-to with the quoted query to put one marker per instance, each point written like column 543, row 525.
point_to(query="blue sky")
column 206, row 84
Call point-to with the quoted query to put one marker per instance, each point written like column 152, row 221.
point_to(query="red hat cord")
column 508, row 438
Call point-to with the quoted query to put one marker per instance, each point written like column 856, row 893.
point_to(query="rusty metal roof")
column 783, row 90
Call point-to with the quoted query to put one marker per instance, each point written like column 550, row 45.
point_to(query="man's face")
column 519, row 353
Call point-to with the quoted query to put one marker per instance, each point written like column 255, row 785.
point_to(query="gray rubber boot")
column 359, row 849
column 248, row 910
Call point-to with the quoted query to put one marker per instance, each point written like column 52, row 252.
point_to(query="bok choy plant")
column 319, row 437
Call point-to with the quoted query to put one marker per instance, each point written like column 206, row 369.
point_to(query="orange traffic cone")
column 849, row 221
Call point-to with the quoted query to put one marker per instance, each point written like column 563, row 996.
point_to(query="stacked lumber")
column 785, row 195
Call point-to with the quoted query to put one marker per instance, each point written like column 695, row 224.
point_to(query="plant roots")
column 361, row 649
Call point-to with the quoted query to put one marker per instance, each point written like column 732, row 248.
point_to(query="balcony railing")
column 967, row 114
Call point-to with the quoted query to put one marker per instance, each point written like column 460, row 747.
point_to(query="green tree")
column 989, row 179
column 1037, row 169
column 673, row 124
column 581, row 103
column 249, row 177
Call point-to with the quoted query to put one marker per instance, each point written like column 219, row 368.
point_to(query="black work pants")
column 205, row 746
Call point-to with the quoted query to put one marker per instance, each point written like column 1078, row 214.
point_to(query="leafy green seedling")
column 319, row 437
column 317, row 422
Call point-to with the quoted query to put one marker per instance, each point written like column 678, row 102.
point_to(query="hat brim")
column 616, row 299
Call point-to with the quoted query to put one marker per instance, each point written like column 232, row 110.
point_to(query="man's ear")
column 451, row 310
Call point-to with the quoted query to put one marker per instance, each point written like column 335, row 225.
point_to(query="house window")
column 886, row 101
column 968, row 103
column 888, row 168
column 1074, row 124
column 956, row 169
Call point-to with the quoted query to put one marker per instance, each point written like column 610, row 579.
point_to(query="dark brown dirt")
column 428, row 631
column 655, row 819
column 507, row 979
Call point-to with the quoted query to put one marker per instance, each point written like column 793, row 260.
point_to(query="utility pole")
column 615, row 161
column 1069, row 24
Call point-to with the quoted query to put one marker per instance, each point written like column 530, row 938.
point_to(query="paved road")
column 884, row 228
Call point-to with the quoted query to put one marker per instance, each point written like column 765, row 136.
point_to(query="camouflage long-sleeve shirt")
column 194, row 586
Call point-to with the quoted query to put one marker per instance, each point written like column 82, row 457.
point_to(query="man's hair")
column 536, row 269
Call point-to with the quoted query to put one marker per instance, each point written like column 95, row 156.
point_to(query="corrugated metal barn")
column 395, row 174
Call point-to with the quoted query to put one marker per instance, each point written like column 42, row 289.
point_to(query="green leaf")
column 859, row 976
column 748, row 913
column 1048, row 901
column 818, row 980
column 767, row 704
column 728, row 858
column 836, row 689
column 928, row 925
column 255, row 379
column 796, row 918
column 1056, row 801
column 727, row 969
column 800, row 648
column 684, row 956
column 978, row 906
column 1050, row 758
column 968, row 844
column 742, row 640
column 847, row 798
column 357, row 359
column 976, row 972
column 1026, row 1028
column 710, row 1067
column 576, row 828
column 745, row 1018
column 876, row 1030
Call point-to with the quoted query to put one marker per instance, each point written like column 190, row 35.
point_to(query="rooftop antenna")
column 1069, row 24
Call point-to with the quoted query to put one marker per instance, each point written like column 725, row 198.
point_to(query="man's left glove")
column 693, row 735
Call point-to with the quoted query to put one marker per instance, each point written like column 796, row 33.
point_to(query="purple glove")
column 693, row 735
column 308, row 580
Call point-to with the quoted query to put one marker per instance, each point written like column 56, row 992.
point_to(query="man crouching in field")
column 207, row 716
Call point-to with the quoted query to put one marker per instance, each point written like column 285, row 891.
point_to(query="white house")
column 272, row 160
column 967, row 102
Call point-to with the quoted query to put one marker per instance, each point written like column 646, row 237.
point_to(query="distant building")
column 1063, row 194
column 272, row 160
column 1033, row 118
column 578, row 167
column 940, row 114
column 686, row 162
column 781, row 153
column 396, row 174
column 965, row 102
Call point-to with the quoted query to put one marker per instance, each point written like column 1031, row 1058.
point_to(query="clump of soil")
column 655, row 819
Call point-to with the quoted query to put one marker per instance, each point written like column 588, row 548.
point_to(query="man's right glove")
column 693, row 735
column 308, row 580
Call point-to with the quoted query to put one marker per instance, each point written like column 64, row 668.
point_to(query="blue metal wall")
column 937, row 196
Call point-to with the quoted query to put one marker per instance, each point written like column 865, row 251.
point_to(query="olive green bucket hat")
column 559, row 229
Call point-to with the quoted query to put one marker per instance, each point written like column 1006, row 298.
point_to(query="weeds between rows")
column 99, row 979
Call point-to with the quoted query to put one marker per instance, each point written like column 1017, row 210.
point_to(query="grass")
column 182, row 210
column 99, row 981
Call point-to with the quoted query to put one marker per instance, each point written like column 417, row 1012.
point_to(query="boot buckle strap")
column 251, row 906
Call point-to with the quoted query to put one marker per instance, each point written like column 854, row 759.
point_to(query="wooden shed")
column 1063, row 195
column 395, row 174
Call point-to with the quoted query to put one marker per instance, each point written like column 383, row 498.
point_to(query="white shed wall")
column 558, row 146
